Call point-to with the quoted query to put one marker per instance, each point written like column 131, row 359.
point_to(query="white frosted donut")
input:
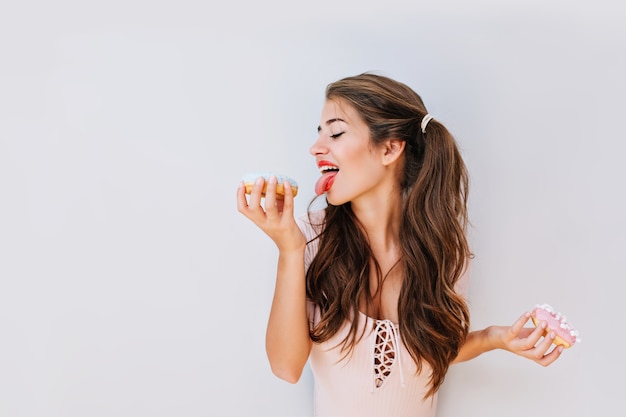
column 251, row 177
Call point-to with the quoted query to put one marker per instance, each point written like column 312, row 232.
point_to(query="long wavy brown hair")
column 433, row 318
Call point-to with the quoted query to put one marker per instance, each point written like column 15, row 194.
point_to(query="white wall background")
column 130, row 285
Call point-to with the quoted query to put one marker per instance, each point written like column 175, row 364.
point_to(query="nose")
column 318, row 147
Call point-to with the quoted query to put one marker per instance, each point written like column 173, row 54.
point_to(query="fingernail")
column 259, row 181
column 273, row 180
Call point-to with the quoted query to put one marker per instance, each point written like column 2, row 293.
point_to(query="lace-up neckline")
column 385, row 348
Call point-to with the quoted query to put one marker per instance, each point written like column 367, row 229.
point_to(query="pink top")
column 379, row 377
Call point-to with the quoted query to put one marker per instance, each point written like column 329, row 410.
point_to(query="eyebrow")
column 330, row 122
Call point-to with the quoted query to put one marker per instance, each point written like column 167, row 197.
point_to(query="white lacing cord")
column 389, row 344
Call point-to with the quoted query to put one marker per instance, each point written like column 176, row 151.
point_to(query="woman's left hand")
column 529, row 342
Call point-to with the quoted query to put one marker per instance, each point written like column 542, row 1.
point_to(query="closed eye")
column 336, row 135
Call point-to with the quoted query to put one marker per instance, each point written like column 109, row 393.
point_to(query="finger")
column 517, row 332
column 257, row 193
column 525, row 332
column 520, row 322
column 530, row 338
column 270, row 196
column 546, row 343
column 526, row 338
column 551, row 356
column 242, row 201
column 280, row 205
column 287, row 206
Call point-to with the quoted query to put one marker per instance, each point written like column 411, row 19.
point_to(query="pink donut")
column 566, row 335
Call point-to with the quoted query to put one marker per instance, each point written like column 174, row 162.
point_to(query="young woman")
column 371, row 289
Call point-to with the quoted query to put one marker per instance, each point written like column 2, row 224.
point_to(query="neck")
column 381, row 221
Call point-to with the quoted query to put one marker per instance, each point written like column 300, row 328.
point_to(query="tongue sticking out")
column 325, row 182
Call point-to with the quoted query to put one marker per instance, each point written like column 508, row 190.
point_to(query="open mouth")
column 328, row 168
column 329, row 171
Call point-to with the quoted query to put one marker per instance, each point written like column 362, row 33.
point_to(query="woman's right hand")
column 287, row 340
column 275, row 217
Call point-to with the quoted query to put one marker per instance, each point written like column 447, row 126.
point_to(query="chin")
column 334, row 200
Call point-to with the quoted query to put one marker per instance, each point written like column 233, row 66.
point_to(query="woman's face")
column 351, row 166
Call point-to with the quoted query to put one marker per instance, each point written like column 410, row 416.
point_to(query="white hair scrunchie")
column 425, row 121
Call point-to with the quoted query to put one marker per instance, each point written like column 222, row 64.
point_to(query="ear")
column 392, row 149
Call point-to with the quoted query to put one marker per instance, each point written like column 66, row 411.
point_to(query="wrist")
column 494, row 337
column 291, row 252
column 293, row 246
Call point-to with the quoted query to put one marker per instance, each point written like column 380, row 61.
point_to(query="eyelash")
column 336, row 135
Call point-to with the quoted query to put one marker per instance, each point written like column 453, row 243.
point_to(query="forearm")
column 529, row 342
column 477, row 343
column 287, row 340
